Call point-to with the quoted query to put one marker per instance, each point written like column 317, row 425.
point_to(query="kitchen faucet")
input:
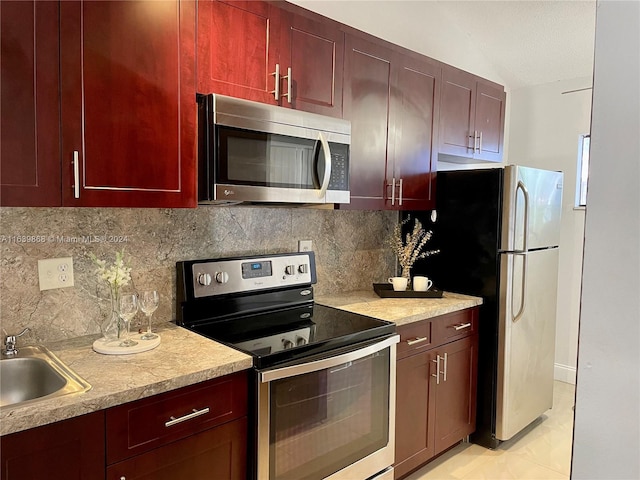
column 10, row 343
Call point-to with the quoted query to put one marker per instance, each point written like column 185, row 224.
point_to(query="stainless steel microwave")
column 253, row 152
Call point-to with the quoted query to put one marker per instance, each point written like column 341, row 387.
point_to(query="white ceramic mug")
column 422, row 284
column 399, row 283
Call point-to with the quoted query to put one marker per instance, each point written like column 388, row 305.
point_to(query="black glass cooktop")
column 282, row 336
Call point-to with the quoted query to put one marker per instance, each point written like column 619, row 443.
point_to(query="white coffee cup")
column 399, row 283
column 421, row 284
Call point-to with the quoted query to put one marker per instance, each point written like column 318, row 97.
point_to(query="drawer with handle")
column 145, row 424
column 453, row 326
column 414, row 338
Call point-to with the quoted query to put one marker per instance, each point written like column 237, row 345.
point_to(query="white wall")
column 607, row 416
column 439, row 38
column 545, row 129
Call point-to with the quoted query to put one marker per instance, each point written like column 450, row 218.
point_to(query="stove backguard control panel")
column 224, row 276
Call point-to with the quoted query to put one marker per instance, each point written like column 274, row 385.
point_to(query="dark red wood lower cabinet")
column 414, row 413
column 455, row 416
column 436, row 386
column 217, row 454
column 68, row 450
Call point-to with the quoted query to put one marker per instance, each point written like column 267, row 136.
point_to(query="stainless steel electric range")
column 324, row 379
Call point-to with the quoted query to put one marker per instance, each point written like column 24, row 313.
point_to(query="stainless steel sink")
column 35, row 374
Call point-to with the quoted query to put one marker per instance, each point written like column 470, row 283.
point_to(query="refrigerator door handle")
column 523, row 283
column 525, row 193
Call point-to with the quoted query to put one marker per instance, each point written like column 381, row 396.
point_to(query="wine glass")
column 128, row 310
column 148, row 304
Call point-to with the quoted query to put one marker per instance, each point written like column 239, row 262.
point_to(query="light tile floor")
column 541, row 452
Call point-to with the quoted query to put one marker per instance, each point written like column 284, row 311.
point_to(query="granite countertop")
column 183, row 358
column 399, row 310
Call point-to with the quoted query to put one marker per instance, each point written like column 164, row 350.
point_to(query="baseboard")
column 564, row 373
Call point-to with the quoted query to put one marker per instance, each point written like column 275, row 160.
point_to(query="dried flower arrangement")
column 410, row 250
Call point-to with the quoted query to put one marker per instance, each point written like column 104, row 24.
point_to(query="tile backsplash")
column 350, row 250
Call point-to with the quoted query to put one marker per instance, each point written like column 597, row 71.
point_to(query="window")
column 583, row 170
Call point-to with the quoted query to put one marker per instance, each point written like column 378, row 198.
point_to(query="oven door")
column 330, row 418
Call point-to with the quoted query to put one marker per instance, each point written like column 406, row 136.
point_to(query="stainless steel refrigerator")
column 498, row 232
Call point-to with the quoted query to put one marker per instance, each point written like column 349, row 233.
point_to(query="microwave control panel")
column 339, row 172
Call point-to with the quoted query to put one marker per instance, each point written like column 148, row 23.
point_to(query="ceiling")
column 522, row 42
column 530, row 42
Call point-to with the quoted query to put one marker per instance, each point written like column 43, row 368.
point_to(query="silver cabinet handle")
column 276, row 89
column 195, row 413
column 393, row 191
column 444, row 374
column 480, row 143
column 461, row 326
column 288, row 77
column 437, row 374
column 417, row 340
column 400, row 201
column 76, row 174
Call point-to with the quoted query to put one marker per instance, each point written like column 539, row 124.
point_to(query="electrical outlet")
column 305, row 245
column 55, row 273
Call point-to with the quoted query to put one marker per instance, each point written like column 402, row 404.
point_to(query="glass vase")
column 111, row 327
column 406, row 273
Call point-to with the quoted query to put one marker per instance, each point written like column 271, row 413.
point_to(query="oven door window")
column 323, row 421
column 270, row 160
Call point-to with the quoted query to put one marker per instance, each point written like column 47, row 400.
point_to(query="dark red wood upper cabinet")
column 392, row 100
column 471, row 116
column 313, row 47
column 128, row 103
column 241, row 44
column 237, row 49
column 29, row 104
column 489, row 120
column 415, row 110
column 368, row 80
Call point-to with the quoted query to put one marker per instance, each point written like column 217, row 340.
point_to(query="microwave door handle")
column 327, row 165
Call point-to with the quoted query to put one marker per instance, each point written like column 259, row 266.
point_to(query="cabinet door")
column 367, row 89
column 414, row 413
column 313, row 48
column 219, row 453
column 128, row 103
column 489, row 121
column 415, row 110
column 455, row 413
column 237, row 49
column 29, row 104
column 68, row 450
column 457, row 112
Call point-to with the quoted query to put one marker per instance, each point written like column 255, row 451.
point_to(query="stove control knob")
column 304, row 268
column 204, row 279
column 222, row 277
column 287, row 344
column 290, row 269
column 301, row 341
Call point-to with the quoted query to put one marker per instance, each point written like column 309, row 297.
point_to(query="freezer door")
column 526, row 339
column 532, row 204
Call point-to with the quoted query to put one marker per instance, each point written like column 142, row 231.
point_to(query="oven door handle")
column 314, row 366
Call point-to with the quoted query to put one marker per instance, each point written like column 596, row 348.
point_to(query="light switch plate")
column 55, row 273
